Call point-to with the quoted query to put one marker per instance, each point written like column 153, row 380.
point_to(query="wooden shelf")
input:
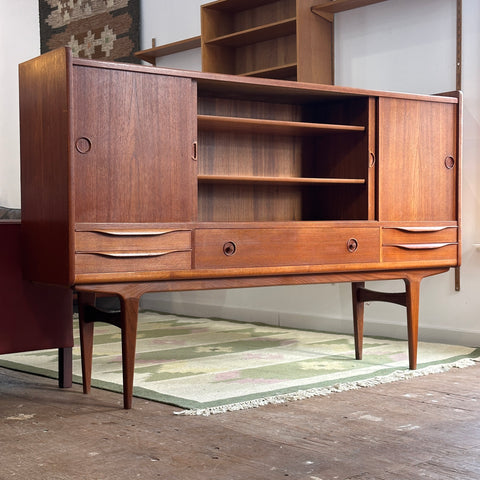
column 327, row 8
column 257, row 34
column 276, row 180
column 287, row 71
column 152, row 54
column 255, row 125
column 236, row 5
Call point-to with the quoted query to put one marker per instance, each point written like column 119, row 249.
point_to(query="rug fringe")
column 337, row 388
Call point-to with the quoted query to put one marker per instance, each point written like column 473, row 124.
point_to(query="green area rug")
column 208, row 366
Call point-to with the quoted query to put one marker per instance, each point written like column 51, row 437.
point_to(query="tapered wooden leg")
column 86, row 338
column 129, row 321
column 358, row 315
column 412, row 300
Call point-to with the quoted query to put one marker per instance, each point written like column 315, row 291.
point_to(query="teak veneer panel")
column 274, row 247
column 144, row 184
column 417, row 161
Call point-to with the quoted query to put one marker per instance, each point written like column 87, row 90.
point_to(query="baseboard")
column 311, row 322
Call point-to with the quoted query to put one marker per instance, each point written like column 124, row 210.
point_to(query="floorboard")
column 423, row 428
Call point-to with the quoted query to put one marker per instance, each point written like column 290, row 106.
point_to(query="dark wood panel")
column 343, row 156
column 33, row 316
column 45, row 166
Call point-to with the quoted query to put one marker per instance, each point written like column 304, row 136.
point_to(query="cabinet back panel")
column 248, row 203
column 351, row 111
column 343, row 155
column 218, row 59
column 264, row 14
column 215, row 23
column 231, row 153
column 267, row 54
column 337, row 202
column 222, row 153
column 248, row 108
column 131, row 174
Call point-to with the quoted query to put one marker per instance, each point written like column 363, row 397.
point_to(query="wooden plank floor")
column 425, row 428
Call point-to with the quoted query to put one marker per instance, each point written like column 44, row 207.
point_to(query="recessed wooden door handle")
column 420, row 229
column 449, row 162
column 135, row 254
column 352, row 245
column 421, row 246
column 229, row 249
column 83, row 145
column 195, row 151
column 134, row 233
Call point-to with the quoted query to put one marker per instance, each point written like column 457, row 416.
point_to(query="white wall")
column 404, row 45
column 167, row 22
column 19, row 41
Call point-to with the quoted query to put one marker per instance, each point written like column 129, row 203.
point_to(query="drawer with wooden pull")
column 110, row 250
column 266, row 247
column 132, row 239
column 115, row 261
column 421, row 243
column 415, row 234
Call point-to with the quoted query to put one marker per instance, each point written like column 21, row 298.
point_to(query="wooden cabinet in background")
column 138, row 179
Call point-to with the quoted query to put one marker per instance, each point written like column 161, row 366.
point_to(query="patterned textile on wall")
column 7, row 213
column 98, row 29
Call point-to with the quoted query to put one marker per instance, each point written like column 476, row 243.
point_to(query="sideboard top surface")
column 235, row 84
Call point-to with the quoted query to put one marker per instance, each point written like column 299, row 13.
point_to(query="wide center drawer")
column 267, row 247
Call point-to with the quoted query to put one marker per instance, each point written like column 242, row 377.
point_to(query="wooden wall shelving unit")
column 150, row 55
column 328, row 8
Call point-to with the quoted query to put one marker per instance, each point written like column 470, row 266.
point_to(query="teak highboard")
column 139, row 179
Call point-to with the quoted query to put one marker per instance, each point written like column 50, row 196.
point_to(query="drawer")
column 269, row 247
column 132, row 239
column 401, row 235
column 116, row 261
column 420, row 252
